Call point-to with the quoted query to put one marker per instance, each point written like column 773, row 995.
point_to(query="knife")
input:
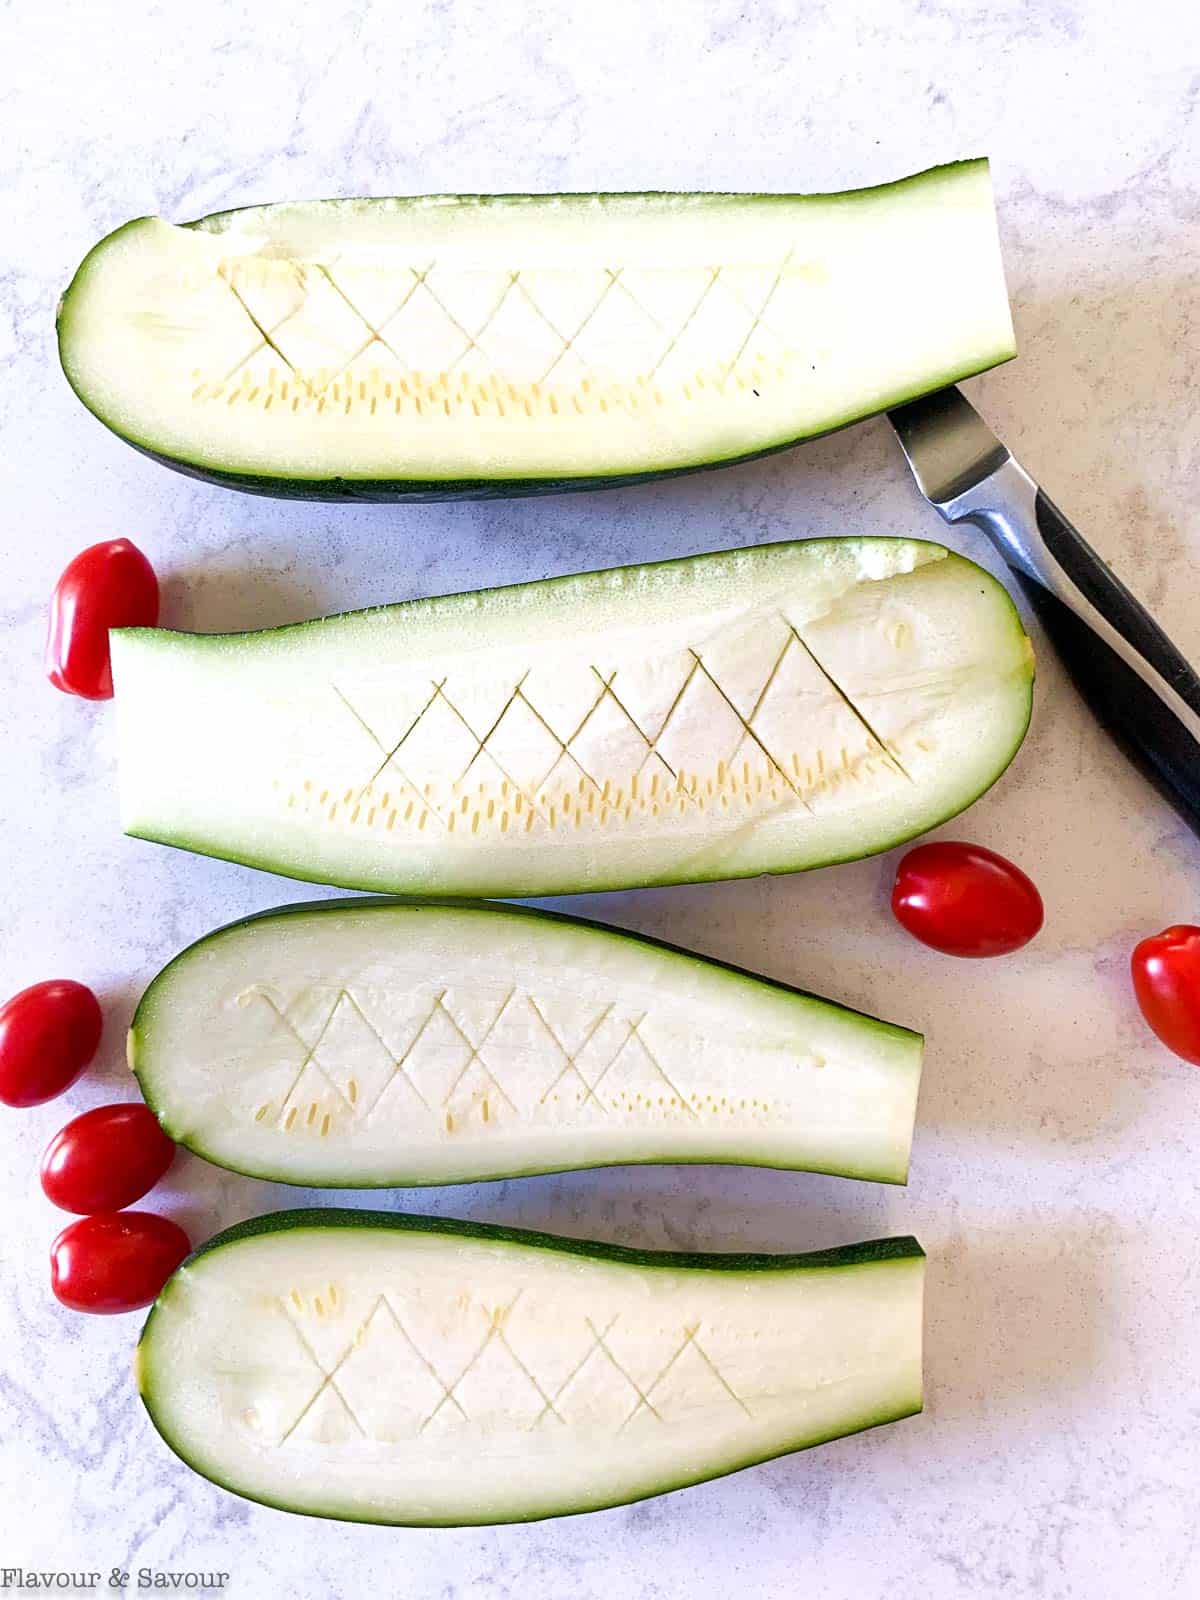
column 1138, row 684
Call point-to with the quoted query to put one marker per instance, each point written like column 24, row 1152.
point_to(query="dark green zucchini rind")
column 897, row 1247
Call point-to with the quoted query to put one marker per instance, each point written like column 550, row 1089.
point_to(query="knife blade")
column 1140, row 687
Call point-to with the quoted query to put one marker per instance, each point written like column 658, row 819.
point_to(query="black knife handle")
column 1097, row 582
column 1138, row 717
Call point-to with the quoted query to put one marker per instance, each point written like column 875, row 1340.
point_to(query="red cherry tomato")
column 48, row 1034
column 116, row 1261
column 1166, row 980
column 106, row 1159
column 965, row 900
column 109, row 585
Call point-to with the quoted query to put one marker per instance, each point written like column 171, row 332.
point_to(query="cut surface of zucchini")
column 354, row 1043
column 387, row 1368
column 471, row 345
column 761, row 710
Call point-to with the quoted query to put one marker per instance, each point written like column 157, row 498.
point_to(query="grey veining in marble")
column 1055, row 1173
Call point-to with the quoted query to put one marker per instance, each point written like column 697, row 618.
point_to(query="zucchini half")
column 386, row 1368
column 357, row 1043
column 760, row 710
column 452, row 346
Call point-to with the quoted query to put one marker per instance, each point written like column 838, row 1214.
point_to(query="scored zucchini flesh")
column 353, row 1043
column 761, row 710
column 474, row 344
column 386, row 1368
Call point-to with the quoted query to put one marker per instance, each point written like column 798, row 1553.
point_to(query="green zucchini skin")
column 994, row 346
column 152, row 1382
column 152, row 1060
column 896, row 1248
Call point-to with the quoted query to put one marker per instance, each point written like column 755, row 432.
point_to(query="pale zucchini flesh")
column 448, row 344
column 386, row 1368
column 762, row 710
column 358, row 1043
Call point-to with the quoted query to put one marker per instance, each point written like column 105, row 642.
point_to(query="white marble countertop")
column 1055, row 1173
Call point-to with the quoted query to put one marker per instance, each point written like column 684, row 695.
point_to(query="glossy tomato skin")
column 965, row 900
column 109, row 585
column 115, row 1261
column 1166, row 980
column 106, row 1159
column 48, row 1034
